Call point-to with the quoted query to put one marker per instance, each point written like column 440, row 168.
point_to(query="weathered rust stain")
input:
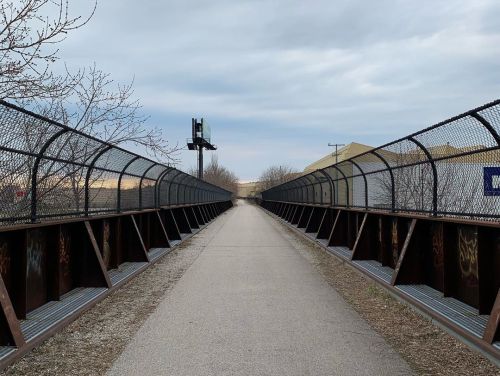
column 380, row 236
column 394, row 241
column 36, row 252
column 467, row 248
column 65, row 260
column 5, row 260
column 64, row 256
column 36, row 279
column 437, row 246
column 106, row 249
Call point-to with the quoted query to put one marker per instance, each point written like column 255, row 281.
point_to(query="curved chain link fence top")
column 49, row 170
column 451, row 168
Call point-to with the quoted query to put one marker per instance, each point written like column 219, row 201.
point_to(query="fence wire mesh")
column 49, row 170
column 451, row 168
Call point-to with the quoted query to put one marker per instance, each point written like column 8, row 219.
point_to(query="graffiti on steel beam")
column 467, row 249
column 35, row 253
column 64, row 240
column 36, row 277
column 66, row 278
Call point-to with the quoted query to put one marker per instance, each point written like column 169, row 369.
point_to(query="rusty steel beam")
column 336, row 234
column 135, row 237
column 492, row 331
column 97, row 253
column 53, row 258
column 12, row 330
column 423, row 260
column 397, row 277
column 163, row 229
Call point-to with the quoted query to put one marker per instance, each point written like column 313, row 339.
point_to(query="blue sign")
column 491, row 177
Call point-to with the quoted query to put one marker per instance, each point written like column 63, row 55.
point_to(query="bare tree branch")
column 219, row 175
column 276, row 175
column 28, row 36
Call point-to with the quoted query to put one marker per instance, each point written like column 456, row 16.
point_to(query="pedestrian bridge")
column 252, row 305
column 419, row 216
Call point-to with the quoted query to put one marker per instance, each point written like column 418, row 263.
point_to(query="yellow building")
column 343, row 153
column 249, row 189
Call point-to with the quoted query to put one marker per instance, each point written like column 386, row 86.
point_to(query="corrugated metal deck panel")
column 156, row 253
column 311, row 235
column 68, row 298
column 6, row 350
column 343, row 252
column 323, row 242
column 459, row 313
column 173, row 243
column 375, row 268
column 45, row 317
column 124, row 270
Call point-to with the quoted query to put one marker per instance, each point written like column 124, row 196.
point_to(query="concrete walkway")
column 252, row 305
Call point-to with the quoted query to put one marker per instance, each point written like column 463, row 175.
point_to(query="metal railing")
column 451, row 168
column 49, row 170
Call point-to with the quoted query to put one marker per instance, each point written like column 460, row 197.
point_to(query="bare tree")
column 276, row 175
column 459, row 189
column 29, row 31
column 219, row 175
column 87, row 100
column 97, row 106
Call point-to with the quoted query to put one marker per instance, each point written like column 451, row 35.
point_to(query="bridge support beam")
column 74, row 263
column 445, row 267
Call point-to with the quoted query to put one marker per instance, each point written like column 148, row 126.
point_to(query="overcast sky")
column 278, row 80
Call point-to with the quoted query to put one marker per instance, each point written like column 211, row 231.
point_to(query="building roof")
column 343, row 153
column 437, row 151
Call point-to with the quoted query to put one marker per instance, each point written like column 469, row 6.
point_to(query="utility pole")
column 200, row 162
column 336, row 171
column 336, row 151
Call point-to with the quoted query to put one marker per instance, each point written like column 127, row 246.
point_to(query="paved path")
column 252, row 305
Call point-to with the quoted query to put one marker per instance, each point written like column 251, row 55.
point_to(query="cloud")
column 302, row 72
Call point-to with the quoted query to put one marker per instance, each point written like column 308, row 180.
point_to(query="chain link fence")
column 451, row 168
column 49, row 170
